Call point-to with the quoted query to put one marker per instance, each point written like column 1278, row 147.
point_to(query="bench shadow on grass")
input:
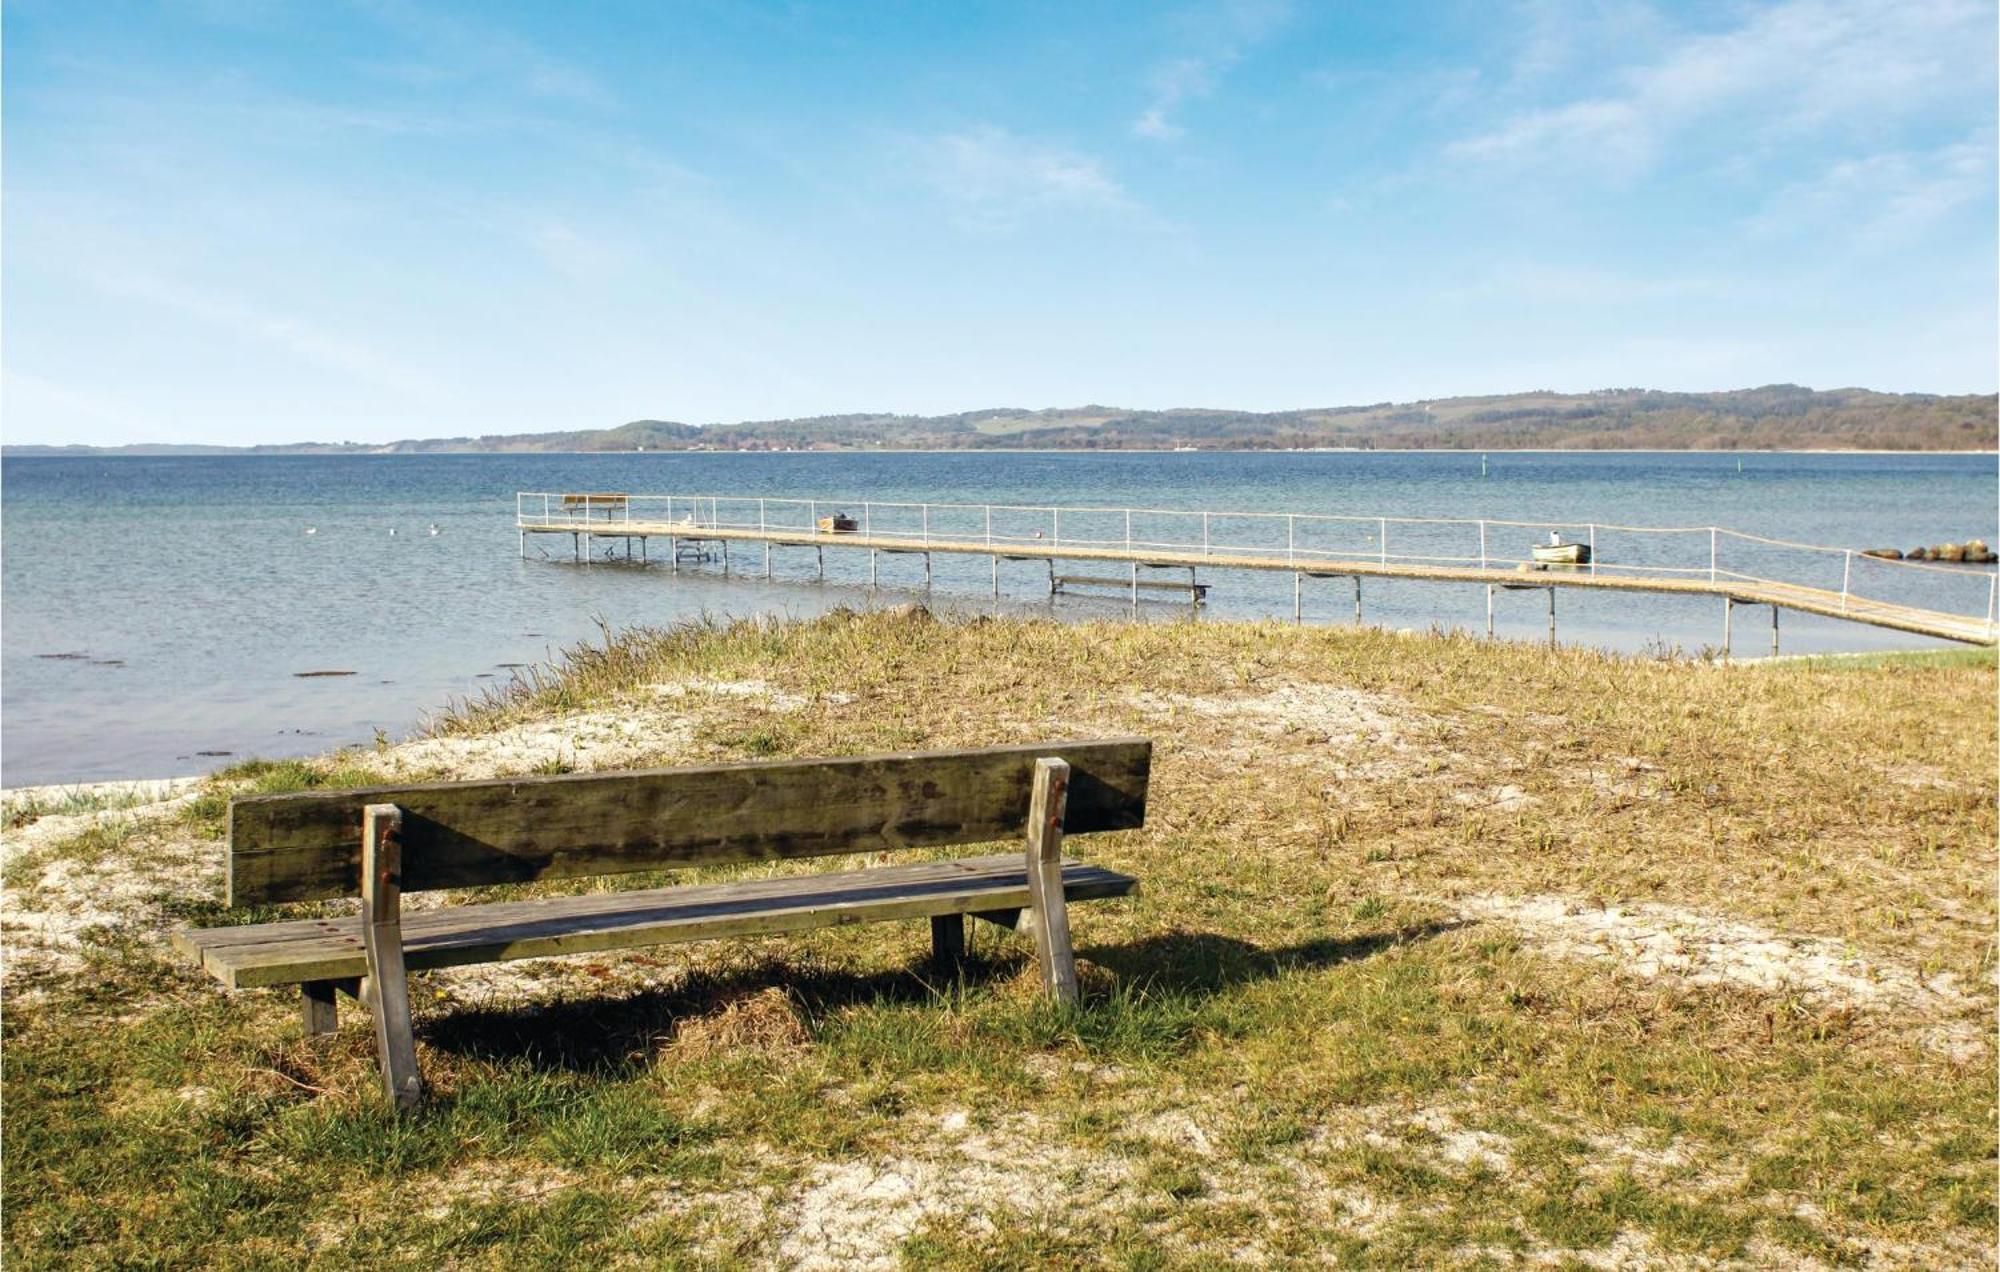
column 603, row 1034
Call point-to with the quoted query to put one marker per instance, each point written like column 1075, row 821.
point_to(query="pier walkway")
column 1950, row 603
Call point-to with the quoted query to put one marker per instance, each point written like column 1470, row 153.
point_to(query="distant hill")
column 1775, row 417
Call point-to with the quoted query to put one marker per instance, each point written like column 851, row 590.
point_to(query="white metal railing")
column 1306, row 540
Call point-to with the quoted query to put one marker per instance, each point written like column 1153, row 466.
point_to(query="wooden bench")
column 377, row 843
column 614, row 503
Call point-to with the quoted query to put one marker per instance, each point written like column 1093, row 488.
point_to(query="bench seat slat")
column 328, row 949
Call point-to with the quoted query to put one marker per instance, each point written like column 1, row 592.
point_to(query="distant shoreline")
column 57, row 453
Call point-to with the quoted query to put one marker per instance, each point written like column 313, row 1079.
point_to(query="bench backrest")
column 601, row 499
column 307, row 846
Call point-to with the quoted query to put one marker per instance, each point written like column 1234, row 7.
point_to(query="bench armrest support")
column 1048, row 802
column 388, row 991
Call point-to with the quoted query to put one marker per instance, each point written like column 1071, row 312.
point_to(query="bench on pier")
column 1199, row 591
column 613, row 504
column 377, row 843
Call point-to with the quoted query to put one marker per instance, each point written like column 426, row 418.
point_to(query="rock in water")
column 1948, row 552
column 1885, row 554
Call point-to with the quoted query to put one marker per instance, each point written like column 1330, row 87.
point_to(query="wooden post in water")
column 1489, row 611
column 1728, row 613
column 1357, row 599
column 1297, row 583
column 1774, row 631
column 1552, row 618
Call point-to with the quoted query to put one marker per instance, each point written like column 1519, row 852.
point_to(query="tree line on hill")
column 1775, row 417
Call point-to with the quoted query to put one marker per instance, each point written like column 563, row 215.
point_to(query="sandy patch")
column 584, row 742
column 1497, row 799
column 1652, row 940
column 758, row 691
column 1327, row 713
column 44, row 819
column 56, row 909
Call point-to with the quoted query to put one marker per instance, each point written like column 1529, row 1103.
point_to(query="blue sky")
column 233, row 220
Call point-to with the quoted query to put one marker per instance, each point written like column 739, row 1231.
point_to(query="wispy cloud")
column 283, row 331
column 1886, row 199
column 1219, row 36
column 466, row 48
column 996, row 178
column 1795, row 69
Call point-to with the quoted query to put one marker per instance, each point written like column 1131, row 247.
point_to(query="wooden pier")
column 704, row 528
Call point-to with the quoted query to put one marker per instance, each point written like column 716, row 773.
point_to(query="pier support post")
column 767, row 554
column 1053, row 588
column 1728, row 613
column 524, row 545
column 1357, row 599
column 1489, row 611
column 820, row 552
column 1552, row 618
column 927, row 567
column 725, row 558
column 1135, row 584
column 871, row 567
column 1774, row 631
column 996, row 561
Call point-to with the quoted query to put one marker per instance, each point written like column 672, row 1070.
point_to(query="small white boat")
column 1556, row 552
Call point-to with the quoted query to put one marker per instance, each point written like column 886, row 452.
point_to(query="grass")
column 1296, row 1046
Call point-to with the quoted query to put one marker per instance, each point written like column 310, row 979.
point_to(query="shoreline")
column 1000, row 450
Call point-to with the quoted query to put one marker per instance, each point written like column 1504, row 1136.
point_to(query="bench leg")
column 1045, row 885
column 316, row 1007
column 947, row 942
column 388, row 986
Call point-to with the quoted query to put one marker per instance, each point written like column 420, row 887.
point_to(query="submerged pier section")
column 1156, row 545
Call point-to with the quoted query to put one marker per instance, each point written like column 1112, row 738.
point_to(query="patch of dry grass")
column 1449, row 953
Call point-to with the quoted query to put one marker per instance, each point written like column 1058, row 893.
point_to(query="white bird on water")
column 392, row 532
column 434, row 529
column 312, row 529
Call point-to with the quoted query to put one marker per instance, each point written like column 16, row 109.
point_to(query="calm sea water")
column 157, row 610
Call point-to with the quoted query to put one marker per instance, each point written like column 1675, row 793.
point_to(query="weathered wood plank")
column 382, row 935
column 317, row 1008
column 304, row 846
column 417, row 924
column 1045, row 880
column 460, row 935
